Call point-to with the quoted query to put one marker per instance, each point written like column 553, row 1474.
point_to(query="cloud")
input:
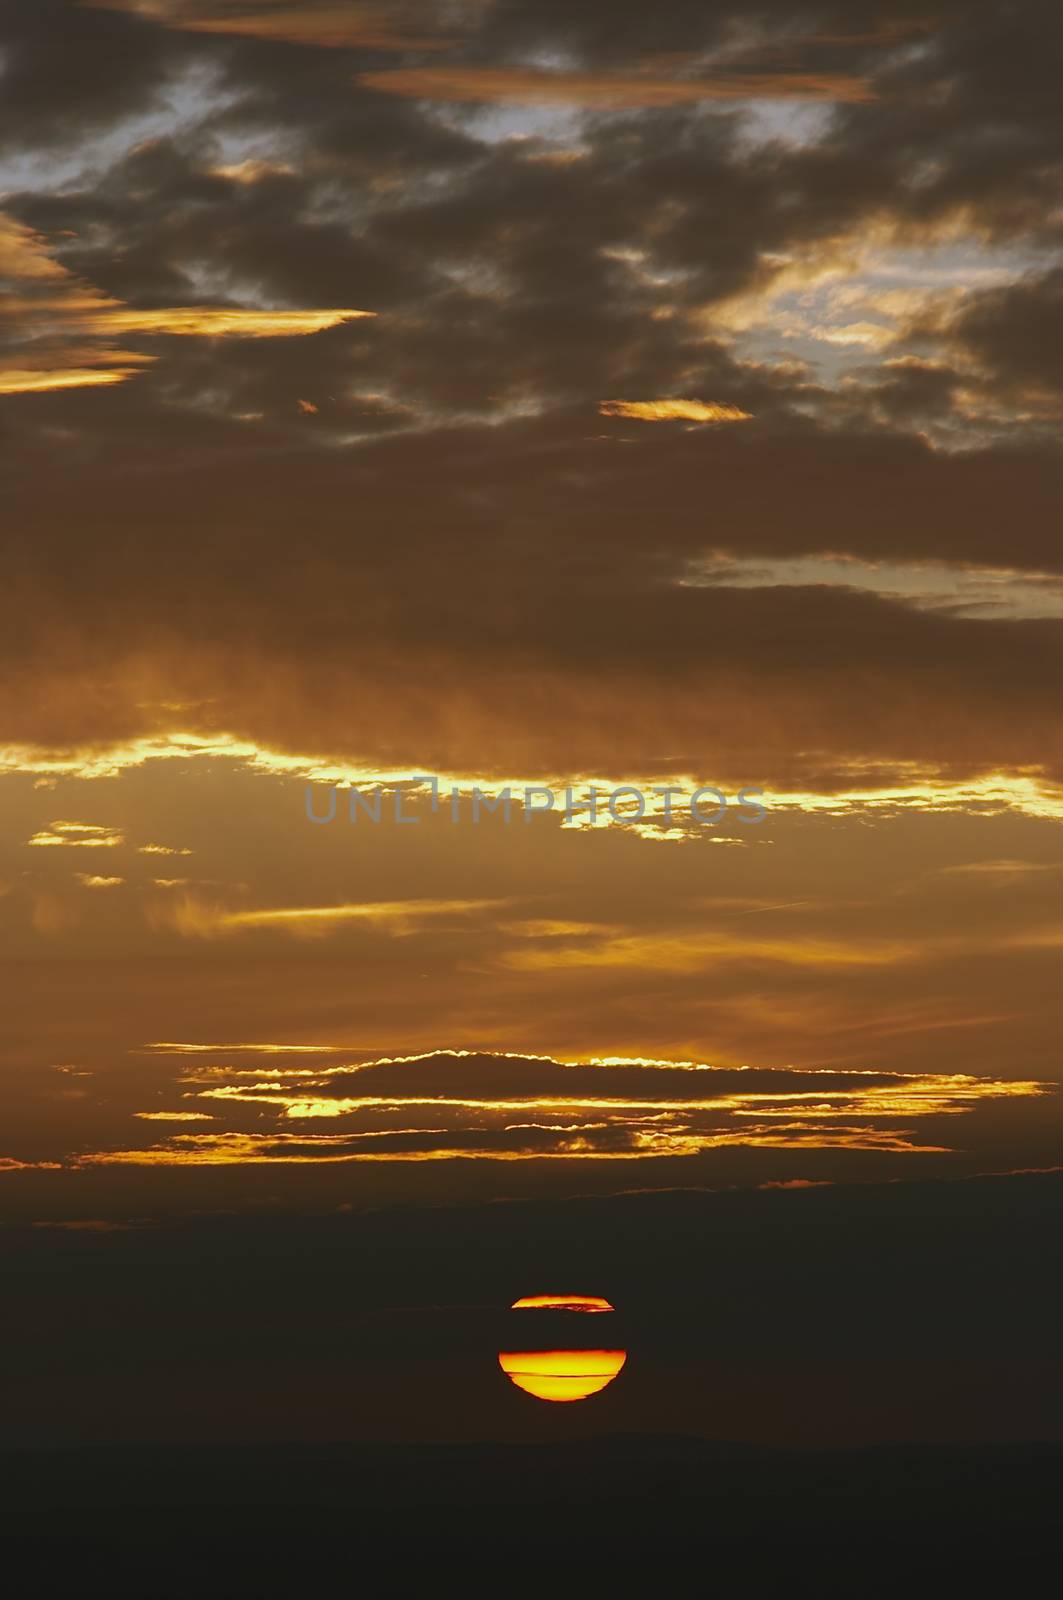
column 194, row 918
column 57, row 333
column 1003, row 343
column 188, row 1048
column 796, row 1183
column 872, row 334
column 673, row 410
column 327, row 24
column 24, row 255
column 87, row 1225
column 78, row 836
column 1002, row 870
column 16, row 381
column 213, row 322
column 689, row 953
column 174, row 1116
column 456, row 565
column 517, row 85
column 453, row 1105
column 498, row 332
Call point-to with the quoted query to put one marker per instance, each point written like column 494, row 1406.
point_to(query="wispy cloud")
column 174, row 1116
column 330, row 24
column 673, row 411
column 196, row 918
column 59, row 333
column 608, row 91
column 77, row 835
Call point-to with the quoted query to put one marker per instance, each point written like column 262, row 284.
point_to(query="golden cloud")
column 214, row 322
column 24, row 254
column 16, row 381
column 77, row 835
column 64, row 337
column 250, row 171
column 428, row 1108
column 845, row 786
column 673, row 411
column 196, row 919
column 174, row 1116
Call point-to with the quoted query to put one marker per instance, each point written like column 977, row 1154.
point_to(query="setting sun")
column 561, row 1374
column 571, row 1373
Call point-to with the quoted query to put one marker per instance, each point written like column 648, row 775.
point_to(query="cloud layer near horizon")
column 440, row 518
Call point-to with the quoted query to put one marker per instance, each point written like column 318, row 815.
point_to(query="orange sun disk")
column 561, row 1302
column 561, row 1374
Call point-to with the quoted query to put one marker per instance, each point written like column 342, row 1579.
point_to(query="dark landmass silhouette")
column 291, row 1520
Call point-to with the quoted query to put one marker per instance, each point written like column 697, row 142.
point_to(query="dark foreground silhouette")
column 486, row 1518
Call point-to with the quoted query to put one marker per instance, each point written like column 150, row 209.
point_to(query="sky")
column 403, row 400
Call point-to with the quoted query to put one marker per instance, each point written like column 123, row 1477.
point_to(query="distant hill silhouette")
column 292, row 1520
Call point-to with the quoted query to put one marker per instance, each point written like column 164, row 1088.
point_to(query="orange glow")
column 561, row 1374
column 561, row 1302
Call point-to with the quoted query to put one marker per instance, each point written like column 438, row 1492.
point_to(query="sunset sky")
column 528, row 394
